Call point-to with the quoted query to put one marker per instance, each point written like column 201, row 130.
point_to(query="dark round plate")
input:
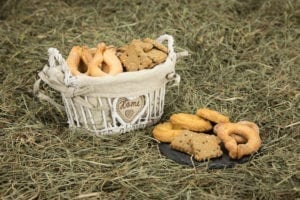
column 216, row 163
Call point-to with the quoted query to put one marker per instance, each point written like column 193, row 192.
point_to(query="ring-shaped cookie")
column 74, row 60
column 240, row 139
column 190, row 122
column 94, row 67
column 112, row 63
column 91, row 61
column 237, row 151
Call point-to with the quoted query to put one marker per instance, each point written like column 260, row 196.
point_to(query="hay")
column 244, row 62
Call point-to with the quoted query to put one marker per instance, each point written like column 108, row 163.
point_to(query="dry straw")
column 244, row 63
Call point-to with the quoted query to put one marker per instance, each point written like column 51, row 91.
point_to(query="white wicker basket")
column 111, row 104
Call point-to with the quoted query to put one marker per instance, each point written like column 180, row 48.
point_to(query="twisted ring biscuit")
column 237, row 151
column 239, row 139
column 73, row 61
column 93, row 67
column 92, row 61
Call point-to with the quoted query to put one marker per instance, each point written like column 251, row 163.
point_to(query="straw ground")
column 244, row 62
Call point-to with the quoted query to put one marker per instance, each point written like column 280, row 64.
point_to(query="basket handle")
column 173, row 76
column 67, row 92
column 57, row 75
column 42, row 96
column 55, row 58
column 170, row 40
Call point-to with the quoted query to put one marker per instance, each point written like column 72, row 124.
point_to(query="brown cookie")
column 134, row 58
column 202, row 146
column 156, row 56
column 182, row 142
column 144, row 45
column 156, row 44
column 142, row 54
column 205, row 147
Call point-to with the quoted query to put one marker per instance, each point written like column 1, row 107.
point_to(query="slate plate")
column 216, row 163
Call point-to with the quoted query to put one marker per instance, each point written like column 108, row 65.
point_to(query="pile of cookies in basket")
column 192, row 134
column 109, row 60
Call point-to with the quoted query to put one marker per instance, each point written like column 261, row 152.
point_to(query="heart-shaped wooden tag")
column 129, row 109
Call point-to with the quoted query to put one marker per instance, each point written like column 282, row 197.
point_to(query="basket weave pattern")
column 116, row 115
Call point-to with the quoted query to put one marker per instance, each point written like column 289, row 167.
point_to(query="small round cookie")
column 165, row 132
column 190, row 122
column 212, row 115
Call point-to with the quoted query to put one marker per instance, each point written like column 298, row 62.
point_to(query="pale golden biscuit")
column 212, row 115
column 236, row 151
column 190, row 122
column 165, row 132
column 175, row 126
